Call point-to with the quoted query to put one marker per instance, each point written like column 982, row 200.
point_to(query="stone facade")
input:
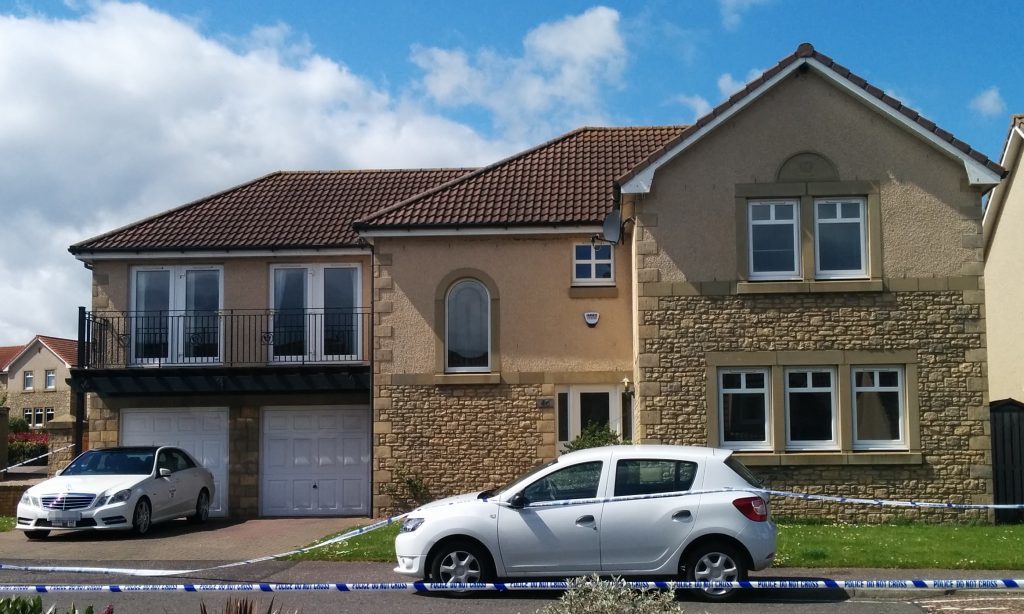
column 944, row 328
column 59, row 400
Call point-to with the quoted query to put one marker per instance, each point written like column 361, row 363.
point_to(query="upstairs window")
column 774, row 239
column 317, row 314
column 51, row 379
column 592, row 265
column 27, row 380
column 175, row 314
column 839, row 238
column 468, row 328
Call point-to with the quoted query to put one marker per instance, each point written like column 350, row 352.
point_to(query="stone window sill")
column 805, row 287
column 466, row 379
column 768, row 459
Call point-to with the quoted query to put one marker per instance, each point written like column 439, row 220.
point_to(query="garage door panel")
column 202, row 432
column 320, row 450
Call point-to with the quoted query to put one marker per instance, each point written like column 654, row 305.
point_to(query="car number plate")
column 67, row 520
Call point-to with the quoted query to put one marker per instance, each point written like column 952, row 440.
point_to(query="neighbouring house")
column 37, row 379
column 1004, row 228
column 798, row 278
column 7, row 352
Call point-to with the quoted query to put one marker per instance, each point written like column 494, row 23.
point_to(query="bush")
column 242, row 605
column 24, row 605
column 407, row 490
column 594, row 436
column 33, row 436
column 17, row 424
column 19, row 451
column 592, row 595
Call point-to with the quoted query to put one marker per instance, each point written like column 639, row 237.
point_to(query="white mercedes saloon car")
column 592, row 511
column 118, row 488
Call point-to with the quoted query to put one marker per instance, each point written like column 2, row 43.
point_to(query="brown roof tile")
column 7, row 354
column 569, row 180
column 65, row 349
column 302, row 209
column 806, row 50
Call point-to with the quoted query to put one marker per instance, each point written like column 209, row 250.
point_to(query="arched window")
column 468, row 327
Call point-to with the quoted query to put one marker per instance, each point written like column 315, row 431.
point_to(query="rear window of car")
column 748, row 476
column 653, row 476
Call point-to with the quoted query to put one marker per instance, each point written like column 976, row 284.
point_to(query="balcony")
column 223, row 351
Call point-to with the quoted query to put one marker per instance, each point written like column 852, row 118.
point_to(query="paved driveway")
column 217, row 540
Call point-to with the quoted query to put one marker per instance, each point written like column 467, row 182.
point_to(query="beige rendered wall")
column 926, row 205
column 1004, row 294
column 541, row 325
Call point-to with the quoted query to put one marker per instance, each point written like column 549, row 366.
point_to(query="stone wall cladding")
column 942, row 327
column 59, row 400
column 456, row 439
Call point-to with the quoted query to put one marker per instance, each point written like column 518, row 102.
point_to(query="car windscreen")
column 112, row 462
column 498, row 491
column 748, row 476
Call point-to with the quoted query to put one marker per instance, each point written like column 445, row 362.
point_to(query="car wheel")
column 202, row 508
column 460, row 562
column 715, row 562
column 37, row 534
column 142, row 519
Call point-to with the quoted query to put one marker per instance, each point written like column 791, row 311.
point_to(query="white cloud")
column 727, row 85
column 698, row 104
column 555, row 83
column 732, row 11
column 124, row 111
column 989, row 103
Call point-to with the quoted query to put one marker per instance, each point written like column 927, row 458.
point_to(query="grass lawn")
column 906, row 546
column 6, row 523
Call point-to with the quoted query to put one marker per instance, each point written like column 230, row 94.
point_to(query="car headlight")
column 118, row 497
column 28, row 500
column 410, row 524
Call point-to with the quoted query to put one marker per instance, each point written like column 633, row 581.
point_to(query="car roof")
column 130, row 449
column 646, row 451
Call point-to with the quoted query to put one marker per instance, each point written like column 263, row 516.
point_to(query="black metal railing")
column 234, row 337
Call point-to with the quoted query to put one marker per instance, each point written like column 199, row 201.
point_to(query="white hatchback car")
column 521, row 530
column 118, row 488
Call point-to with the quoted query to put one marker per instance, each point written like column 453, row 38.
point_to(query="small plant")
column 24, row 605
column 592, row 595
column 242, row 605
column 594, row 436
column 407, row 490
column 17, row 424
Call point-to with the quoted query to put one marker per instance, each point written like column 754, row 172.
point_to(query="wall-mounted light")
column 627, row 387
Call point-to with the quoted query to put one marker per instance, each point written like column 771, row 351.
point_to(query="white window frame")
column 315, row 303
column 51, row 379
column 575, row 423
column 27, row 413
column 765, row 391
column 40, row 415
column 592, row 262
column 793, row 274
column 833, row 443
column 860, row 273
column 490, row 316
column 900, row 389
column 48, row 413
column 28, row 380
column 176, row 298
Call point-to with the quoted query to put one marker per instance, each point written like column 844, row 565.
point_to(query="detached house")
column 797, row 276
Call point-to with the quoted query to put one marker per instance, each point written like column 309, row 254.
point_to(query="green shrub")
column 242, row 605
column 24, row 605
column 17, row 424
column 592, row 595
column 407, row 490
column 594, row 436
column 18, row 451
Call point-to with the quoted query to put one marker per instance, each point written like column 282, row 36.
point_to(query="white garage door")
column 316, row 462
column 203, row 432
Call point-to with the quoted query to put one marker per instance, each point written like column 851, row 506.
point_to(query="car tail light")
column 754, row 508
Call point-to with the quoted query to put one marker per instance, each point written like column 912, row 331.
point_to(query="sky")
column 110, row 112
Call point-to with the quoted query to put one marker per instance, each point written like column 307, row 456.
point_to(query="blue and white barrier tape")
column 4, row 470
column 344, row 587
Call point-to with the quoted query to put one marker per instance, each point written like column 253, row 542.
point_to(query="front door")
column 556, row 539
column 583, row 406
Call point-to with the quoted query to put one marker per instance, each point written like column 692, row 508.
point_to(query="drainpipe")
column 79, row 394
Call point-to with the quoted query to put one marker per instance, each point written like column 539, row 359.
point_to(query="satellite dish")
column 611, row 230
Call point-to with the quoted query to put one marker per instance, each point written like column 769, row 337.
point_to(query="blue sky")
column 110, row 112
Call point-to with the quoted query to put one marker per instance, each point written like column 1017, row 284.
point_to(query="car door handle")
column 682, row 515
column 582, row 520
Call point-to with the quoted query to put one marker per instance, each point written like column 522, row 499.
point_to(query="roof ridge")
column 365, row 221
column 356, row 171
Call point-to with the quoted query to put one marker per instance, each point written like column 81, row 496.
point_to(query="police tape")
column 539, row 504
column 345, row 587
column 4, row 470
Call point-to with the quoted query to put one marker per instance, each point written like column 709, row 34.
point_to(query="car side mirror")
column 165, row 472
column 518, row 501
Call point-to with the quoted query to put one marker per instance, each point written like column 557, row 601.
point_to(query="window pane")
column 783, row 212
column 773, row 248
column 51, row 379
column 826, row 211
column 575, row 482
column 290, row 312
column 744, row 417
column 851, row 211
column 583, row 271
column 878, row 415
column 797, row 380
column 810, row 416
column 340, row 319
column 889, row 379
column 647, row 477
column 468, row 326
column 583, row 252
column 821, row 379
column 594, row 409
column 202, row 324
column 755, row 380
column 863, row 378
column 731, row 381
column 626, row 400
column 152, row 302
column 563, row 416
column 760, row 213
column 603, row 271
column 839, row 246
column 603, row 252
column 49, row 414
column 26, row 412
